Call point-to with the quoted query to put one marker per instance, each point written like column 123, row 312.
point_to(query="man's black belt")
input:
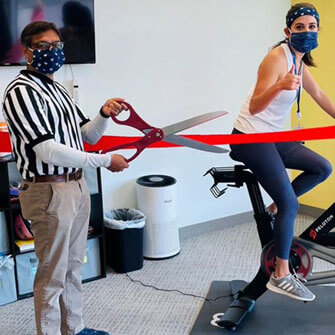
column 56, row 178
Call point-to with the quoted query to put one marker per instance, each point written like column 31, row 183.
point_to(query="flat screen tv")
column 74, row 18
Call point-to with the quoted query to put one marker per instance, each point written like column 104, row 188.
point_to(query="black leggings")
column 268, row 162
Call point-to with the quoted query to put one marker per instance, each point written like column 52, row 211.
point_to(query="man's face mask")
column 46, row 60
column 304, row 42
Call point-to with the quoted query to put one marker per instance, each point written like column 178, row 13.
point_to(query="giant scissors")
column 167, row 134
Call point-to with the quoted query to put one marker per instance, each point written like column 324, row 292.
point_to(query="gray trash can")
column 124, row 239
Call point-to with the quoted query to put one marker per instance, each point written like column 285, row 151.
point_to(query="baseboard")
column 233, row 220
column 215, row 225
column 310, row 210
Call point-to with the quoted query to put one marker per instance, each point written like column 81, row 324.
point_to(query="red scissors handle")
column 133, row 120
column 153, row 136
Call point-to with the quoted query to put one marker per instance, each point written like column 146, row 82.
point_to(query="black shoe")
column 89, row 331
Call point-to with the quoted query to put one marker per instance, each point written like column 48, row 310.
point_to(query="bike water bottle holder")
column 225, row 175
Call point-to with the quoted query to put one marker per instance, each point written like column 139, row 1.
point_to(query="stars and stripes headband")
column 301, row 12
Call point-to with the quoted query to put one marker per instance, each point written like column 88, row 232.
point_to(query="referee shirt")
column 37, row 109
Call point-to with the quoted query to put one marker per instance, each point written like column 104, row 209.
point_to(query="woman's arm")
column 320, row 97
column 269, row 84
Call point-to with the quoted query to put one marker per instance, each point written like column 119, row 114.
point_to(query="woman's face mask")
column 305, row 41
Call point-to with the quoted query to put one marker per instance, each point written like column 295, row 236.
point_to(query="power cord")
column 71, row 72
column 178, row 291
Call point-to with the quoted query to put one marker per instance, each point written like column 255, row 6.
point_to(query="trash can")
column 124, row 239
column 157, row 199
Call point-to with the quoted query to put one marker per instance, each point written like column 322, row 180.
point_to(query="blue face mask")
column 304, row 42
column 47, row 61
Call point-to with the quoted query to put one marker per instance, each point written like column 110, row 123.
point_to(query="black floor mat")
column 273, row 314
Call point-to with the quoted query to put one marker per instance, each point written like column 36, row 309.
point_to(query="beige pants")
column 59, row 213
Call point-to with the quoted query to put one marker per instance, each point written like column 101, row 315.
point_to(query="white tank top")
column 273, row 117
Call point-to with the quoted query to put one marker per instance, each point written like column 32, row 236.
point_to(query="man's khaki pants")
column 59, row 212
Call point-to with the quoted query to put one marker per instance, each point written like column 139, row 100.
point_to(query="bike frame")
column 316, row 241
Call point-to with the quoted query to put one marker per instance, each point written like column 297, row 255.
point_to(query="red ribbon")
column 106, row 142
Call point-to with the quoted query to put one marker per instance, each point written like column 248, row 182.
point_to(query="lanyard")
column 299, row 89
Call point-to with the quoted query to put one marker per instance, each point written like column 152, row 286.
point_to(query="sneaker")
column 291, row 286
column 89, row 331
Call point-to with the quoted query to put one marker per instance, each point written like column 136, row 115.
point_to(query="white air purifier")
column 157, row 199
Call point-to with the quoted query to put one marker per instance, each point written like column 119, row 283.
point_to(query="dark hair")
column 307, row 59
column 36, row 28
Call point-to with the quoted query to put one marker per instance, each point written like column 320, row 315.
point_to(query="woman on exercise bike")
column 281, row 77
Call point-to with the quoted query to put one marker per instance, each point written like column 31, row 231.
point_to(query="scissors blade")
column 186, row 142
column 194, row 121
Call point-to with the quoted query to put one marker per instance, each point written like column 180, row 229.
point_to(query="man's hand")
column 114, row 107
column 118, row 163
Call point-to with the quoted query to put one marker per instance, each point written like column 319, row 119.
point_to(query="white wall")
column 173, row 60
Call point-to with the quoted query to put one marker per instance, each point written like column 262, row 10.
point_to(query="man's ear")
column 25, row 52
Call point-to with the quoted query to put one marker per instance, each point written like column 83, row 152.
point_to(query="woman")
column 281, row 76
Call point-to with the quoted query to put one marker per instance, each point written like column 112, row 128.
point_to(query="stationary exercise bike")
column 317, row 240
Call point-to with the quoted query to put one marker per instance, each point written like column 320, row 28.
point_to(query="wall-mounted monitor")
column 74, row 18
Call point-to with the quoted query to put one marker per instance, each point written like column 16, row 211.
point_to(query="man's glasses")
column 46, row 45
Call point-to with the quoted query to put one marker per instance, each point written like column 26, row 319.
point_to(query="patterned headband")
column 301, row 12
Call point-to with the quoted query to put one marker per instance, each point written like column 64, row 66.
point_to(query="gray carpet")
column 122, row 307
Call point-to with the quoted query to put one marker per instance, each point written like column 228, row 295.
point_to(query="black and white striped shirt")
column 38, row 109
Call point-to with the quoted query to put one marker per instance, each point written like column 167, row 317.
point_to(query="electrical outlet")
column 75, row 91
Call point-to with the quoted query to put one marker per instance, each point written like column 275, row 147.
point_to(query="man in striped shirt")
column 47, row 130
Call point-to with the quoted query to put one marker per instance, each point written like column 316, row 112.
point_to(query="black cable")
column 175, row 290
